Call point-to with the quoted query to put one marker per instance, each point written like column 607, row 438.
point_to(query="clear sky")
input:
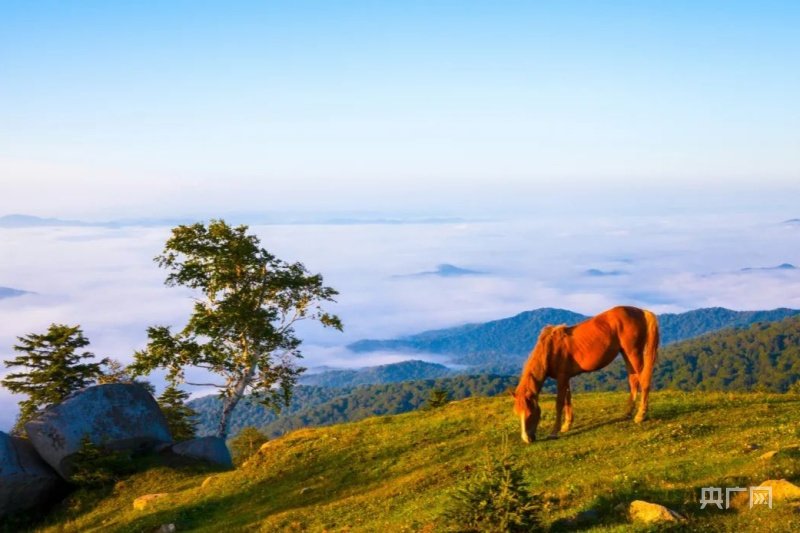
column 164, row 108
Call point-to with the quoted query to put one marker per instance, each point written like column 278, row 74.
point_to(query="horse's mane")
column 535, row 370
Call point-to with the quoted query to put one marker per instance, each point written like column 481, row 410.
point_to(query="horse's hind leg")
column 567, row 411
column 644, row 382
column 633, row 381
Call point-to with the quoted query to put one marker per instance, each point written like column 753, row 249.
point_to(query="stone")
column 652, row 513
column 116, row 416
column 26, row 481
column 148, row 500
column 211, row 449
column 782, row 490
column 768, row 455
column 165, row 528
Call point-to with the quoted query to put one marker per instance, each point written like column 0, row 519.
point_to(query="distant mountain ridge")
column 392, row 373
column 501, row 345
column 762, row 357
column 9, row 292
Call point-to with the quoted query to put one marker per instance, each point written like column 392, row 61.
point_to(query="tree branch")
column 205, row 385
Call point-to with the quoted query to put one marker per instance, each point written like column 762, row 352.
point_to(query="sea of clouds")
column 105, row 279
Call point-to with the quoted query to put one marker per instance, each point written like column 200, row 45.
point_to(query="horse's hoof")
column 639, row 419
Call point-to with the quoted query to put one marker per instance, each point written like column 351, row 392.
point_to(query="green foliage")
column 495, row 498
column 242, row 326
column 180, row 417
column 245, row 444
column 94, row 466
column 438, row 398
column 54, row 369
column 318, row 406
column 116, row 372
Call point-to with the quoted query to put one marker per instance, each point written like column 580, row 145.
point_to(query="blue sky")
column 208, row 108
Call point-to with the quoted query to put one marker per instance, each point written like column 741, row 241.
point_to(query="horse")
column 562, row 352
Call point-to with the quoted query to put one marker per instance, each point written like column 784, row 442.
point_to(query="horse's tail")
column 651, row 345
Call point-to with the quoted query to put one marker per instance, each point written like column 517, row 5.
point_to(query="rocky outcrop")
column 652, row 513
column 116, row 416
column 25, row 480
column 211, row 449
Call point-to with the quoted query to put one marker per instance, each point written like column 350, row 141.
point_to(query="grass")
column 397, row 473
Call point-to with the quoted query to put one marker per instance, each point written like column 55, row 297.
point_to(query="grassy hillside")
column 397, row 473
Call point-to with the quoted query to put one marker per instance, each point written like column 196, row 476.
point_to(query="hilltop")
column 397, row 473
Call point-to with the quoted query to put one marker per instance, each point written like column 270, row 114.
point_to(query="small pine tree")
column 116, row 372
column 495, row 499
column 438, row 398
column 246, row 443
column 180, row 417
column 54, row 369
column 93, row 466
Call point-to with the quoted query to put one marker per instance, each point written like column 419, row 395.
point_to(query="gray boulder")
column 116, row 416
column 25, row 480
column 212, row 449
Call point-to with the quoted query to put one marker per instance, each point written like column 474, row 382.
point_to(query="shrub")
column 246, row 443
column 94, row 466
column 495, row 499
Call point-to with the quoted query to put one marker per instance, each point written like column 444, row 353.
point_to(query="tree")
column 242, row 328
column 246, row 443
column 438, row 398
column 179, row 415
column 116, row 372
column 54, row 369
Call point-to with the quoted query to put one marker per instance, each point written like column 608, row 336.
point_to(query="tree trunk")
column 232, row 400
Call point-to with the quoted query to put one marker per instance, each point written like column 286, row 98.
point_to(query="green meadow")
column 399, row 473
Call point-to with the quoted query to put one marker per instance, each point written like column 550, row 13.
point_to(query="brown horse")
column 563, row 352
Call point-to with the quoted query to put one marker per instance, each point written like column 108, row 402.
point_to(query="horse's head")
column 526, row 407
column 526, row 397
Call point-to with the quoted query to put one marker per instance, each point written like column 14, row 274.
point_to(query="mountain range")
column 501, row 346
column 757, row 351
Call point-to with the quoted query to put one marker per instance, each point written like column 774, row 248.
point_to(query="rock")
column 165, row 528
column 116, row 416
column 211, row 449
column 305, row 489
column 25, row 480
column 782, row 490
column 145, row 502
column 652, row 513
column 768, row 455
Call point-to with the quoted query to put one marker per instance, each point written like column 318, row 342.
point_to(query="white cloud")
column 105, row 279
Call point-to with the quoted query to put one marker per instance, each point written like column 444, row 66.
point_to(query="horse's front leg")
column 563, row 387
column 567, row 410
